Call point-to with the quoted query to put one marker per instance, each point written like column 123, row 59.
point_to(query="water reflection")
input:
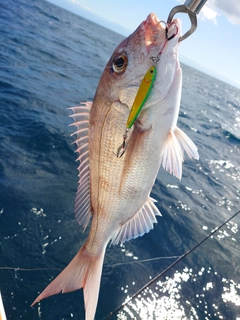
column 167, row 299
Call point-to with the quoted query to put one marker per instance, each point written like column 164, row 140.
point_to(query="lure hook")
column 121, row 150
column 167, row 38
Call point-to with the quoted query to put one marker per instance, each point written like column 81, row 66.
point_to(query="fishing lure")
column 140, row 99
column 142, row 95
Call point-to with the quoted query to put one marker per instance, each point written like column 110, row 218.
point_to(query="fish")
column 114, row 192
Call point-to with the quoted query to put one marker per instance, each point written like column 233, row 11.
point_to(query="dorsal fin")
column 139, row 224
column 82, row 201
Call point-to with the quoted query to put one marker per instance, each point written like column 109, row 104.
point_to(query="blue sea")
column 50, row 60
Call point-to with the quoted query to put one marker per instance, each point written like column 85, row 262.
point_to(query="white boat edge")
column 2, row 311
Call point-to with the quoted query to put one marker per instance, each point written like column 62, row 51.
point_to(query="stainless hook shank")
column 195, row 5
column 192, row 8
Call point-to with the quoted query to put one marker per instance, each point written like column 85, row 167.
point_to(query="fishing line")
column 169, row 267
column 108, row 266
column 141, row 261
column 48, row 69
column 28, row 269
column 39, row 68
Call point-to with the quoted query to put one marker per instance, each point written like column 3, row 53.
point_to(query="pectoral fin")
column 172, row 155
column 186, row 144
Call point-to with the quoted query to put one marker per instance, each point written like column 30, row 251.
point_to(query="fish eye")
column 120, row 63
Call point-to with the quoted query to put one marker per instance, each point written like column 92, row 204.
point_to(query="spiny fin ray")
column 141, row 223
column 81, row 121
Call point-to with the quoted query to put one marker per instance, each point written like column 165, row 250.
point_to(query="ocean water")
column 51, row 60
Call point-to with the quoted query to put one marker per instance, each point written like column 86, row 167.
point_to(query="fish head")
column 148, row 45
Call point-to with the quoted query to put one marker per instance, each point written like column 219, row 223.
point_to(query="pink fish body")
column 115, row 192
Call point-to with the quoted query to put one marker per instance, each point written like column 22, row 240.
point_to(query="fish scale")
column 104, row 162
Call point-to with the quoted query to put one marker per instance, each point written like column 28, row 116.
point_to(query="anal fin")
column 141, row 223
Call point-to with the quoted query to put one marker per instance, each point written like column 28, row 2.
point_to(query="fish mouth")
column 155, row 30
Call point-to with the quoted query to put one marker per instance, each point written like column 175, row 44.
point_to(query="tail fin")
column 84, row 271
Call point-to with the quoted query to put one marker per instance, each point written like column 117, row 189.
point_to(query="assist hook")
column 192, row 8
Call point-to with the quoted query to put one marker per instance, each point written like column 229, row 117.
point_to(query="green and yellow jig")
column 141, row 97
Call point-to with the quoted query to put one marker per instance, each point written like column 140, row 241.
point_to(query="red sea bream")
column 114, row 191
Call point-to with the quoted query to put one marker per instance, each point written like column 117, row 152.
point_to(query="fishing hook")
column 122, row 148
column 167, row 38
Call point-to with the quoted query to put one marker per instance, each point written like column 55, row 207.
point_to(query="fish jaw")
column 155, row 31
column 159, row 37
